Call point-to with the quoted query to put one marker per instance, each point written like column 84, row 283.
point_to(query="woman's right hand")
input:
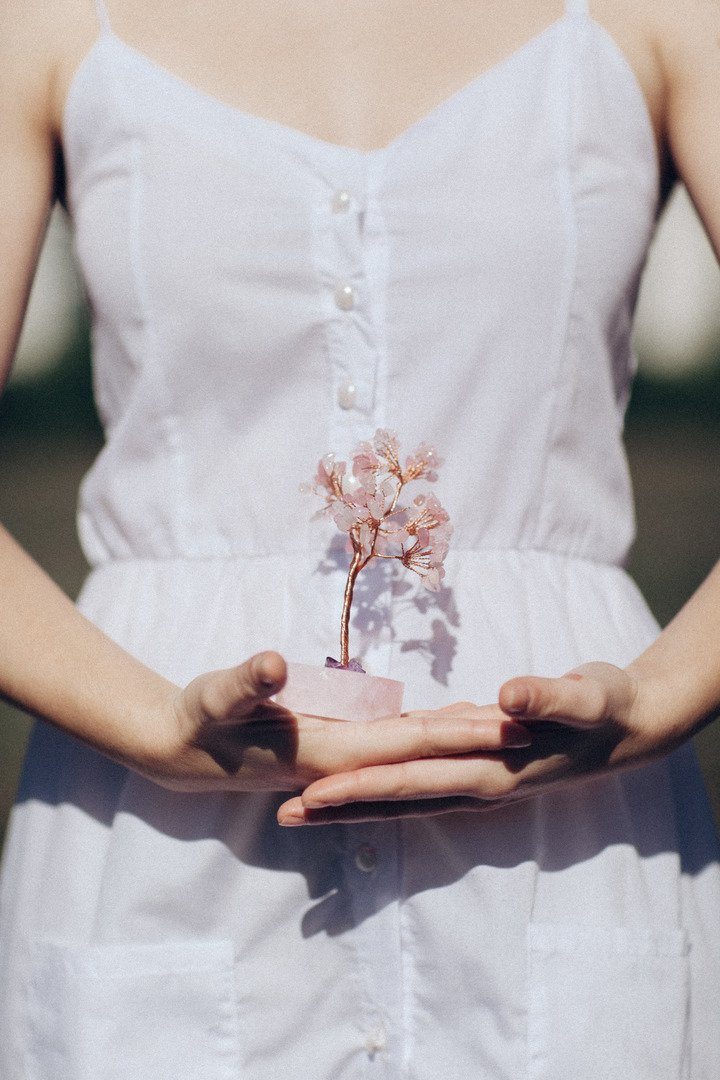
column 223, row 733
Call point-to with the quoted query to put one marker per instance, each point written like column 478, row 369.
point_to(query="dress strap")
column 577, row 7
column 103, row 17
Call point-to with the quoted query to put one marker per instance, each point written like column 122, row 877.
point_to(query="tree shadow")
column 384, row 589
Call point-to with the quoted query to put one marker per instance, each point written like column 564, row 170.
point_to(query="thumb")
column 232, row 694
column 589, row 695
column 571, row 700
column 267, row 671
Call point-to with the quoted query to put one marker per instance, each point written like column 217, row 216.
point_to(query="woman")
column 297, row 224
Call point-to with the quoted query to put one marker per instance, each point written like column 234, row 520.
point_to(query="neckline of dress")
column 343, row 151
column 239, row 115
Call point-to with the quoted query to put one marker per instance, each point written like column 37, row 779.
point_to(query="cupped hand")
column 222, row 733
column 592, row 719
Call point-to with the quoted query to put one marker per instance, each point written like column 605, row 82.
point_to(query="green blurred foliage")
column 57, row 404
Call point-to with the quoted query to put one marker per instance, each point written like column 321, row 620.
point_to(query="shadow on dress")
column 390, row 589
column 548, row 834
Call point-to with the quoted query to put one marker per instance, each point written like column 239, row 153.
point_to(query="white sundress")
column 260, row 297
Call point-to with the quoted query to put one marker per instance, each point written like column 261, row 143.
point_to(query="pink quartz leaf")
column 364, row 504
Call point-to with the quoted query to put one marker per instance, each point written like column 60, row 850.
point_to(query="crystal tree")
column 364, row 502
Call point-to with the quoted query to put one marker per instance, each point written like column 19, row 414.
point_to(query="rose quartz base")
column 339, row 694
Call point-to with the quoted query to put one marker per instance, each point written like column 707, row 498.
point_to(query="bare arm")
column 26, row 170
column 48, row 653
column 220, row 732
column 680, row 673
column 688, row 44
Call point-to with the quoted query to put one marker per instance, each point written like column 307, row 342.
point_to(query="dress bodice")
column 261, row 297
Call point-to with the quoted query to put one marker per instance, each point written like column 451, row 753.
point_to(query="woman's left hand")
column 595, row 718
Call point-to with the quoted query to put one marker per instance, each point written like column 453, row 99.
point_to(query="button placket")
column 349, row 324
column 351, row 252
column 373, row 884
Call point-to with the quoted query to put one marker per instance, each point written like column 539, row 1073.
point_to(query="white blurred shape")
column 677, row 325
column 51, row 320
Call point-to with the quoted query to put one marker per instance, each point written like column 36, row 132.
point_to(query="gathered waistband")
column 306, row 554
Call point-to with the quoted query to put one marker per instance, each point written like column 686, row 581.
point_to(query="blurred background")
column 49, row 435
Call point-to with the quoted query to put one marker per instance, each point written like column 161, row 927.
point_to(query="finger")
column 230, row 695
column 474, row 776
column 431, row 735
column 463, row 707
column 293, row 813
column 574, row 699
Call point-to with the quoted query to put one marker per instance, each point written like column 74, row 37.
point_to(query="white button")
column 366, row 858
column 346, row 395
column 376, row 1040
column 341, row 201
column 345, row 297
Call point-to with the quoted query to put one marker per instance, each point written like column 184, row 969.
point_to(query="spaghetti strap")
column 575, row 7
column 103, row 17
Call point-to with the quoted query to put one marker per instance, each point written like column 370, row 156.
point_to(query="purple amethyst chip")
column 352, row 665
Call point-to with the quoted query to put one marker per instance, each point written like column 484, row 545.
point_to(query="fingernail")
column 264, row 679
column 315, row 804
column 516, row 702
column 291, row 819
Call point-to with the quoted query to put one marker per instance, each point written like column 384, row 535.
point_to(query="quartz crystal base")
column 339, row 694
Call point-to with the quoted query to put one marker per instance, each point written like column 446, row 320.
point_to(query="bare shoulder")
column 687, row 38
column 26, row 63
column 674, row 47
column 39, row 42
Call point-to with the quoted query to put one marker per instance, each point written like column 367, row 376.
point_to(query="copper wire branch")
column 355, row 567
column 358, row 564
